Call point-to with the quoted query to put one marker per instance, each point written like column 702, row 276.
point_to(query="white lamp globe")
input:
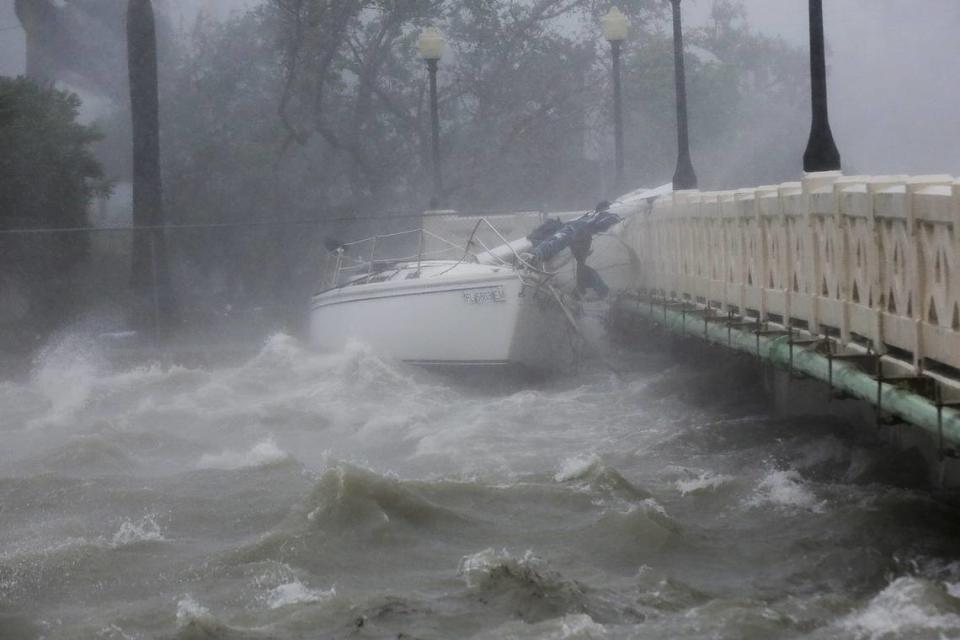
column 430, row 43
column 615, row 25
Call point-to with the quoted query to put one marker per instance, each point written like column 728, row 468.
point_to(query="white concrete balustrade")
column 874, row 259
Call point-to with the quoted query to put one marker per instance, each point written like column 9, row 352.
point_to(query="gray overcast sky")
column 893, row 70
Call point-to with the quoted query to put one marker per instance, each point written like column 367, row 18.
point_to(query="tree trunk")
column 38, row 19
column 150, row 281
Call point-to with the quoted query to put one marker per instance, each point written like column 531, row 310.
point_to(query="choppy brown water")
column 344, row 496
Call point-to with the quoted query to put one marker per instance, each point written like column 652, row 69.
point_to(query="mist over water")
column 343, row 495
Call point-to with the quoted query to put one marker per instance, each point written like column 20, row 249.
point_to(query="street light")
column 431, row 48
column 821, row 153
column 615, row 31
column 684, row 177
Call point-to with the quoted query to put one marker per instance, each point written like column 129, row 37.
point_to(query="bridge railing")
column 871, row 259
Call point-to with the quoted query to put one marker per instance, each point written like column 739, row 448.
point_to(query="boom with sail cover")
column 588, row 224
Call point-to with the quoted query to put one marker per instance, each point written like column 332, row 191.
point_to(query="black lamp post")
column 821, row 153
column 431, row 47
column 684, row 177
column 615, row 31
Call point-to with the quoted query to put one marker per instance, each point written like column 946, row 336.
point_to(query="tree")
column 38, row 18
column 746, row 95
column 148, row 260
column 312, row 108
column 76, row 41
column 48, row 178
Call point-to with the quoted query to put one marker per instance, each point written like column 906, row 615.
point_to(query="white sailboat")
column 465, row 312
column 501, row 306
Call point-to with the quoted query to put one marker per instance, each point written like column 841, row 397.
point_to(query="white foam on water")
column 907, row 606
column 262, row 453
column 953, row 588
column 785, row 489
column 650, row 505
column 475, row 567
column 577, row 467
column 572, row 626
column 702, row 482
column 115, row 632
column 296, row 592
column 189, row 610
column 145, row 529
column 580, row 627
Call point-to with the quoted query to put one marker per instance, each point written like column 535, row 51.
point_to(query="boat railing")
column 353, row 261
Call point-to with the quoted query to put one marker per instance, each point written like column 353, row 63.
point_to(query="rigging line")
column 222, row 225
column 10, row 27
column 258, row 223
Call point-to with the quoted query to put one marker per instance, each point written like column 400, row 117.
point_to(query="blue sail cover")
column 592, row 223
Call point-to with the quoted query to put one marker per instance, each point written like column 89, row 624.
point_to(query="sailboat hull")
column 479, row 320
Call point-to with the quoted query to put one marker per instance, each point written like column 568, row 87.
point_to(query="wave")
column 591, row 473
column 347, row 507
column 785, row 489
column 263, row 453
column 526, row 581
column 146, row 529
column 526, row 587
column 577, row 626
column 195, row 622
column 660, row 592
column 40, row 565
column 907, row 607
column 357, row 366
column 632, row 525
column 703, row 482
column 347, row 497
column 86, row 454
column 72, row 373
column 290, row 593
column 647, row 521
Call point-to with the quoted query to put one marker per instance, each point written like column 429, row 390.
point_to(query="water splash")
column 65, row 373
column 265, row 452
column 146, row 529
column 296, row 592
column 907, row 607
column 703, row 482
column 189, row 609
column 785, row 489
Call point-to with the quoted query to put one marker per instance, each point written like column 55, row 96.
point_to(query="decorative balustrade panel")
column 870, row 259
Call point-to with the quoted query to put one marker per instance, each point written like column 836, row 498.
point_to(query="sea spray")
column 907, row 607
column 146, row 529
column 292, row 593
column 704, row 481
column 785, row 489
column 262, row 453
